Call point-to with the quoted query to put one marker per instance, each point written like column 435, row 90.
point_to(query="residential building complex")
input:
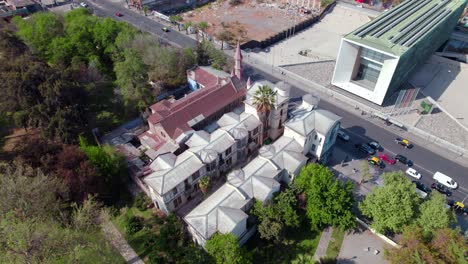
column 174, row 178
column 225, row 210
column 172, row 121
column 377, row 58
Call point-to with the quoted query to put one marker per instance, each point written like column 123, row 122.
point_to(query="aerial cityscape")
column 234, row 131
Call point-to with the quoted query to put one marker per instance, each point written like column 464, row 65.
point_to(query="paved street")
column 361, row 128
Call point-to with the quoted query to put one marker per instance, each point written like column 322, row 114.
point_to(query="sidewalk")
column 430, row 142
column 321, row 250
column 116, row 239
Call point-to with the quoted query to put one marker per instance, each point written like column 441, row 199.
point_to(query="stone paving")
column 442, row 126
column 322, row 246
column 320, row 72
column 116, row 239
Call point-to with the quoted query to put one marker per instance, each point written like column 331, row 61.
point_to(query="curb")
column 384, row 238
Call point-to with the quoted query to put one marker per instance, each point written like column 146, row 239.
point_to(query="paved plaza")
column 321, row 41
column 362, row 246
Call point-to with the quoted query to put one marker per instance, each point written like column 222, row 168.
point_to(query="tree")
column 39, row 31
column 393, row 205
column 264, row 100
column 275, row 216
column 205, row 184
column 433, row 214
column 224, row 248
column 176, row 19
column 145, row 9
column 132, row 78
column 446, row 246
column 224, row 36
column 329, row 201
column 203, row 26
column 187, row 25
column 28, row 192
column 110, row 164
column 365, row 172
column 87, row 217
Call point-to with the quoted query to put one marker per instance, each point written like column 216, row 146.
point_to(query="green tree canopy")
column 224, row 248
column 329, row 201
column 393, row 205
column 433, row 213
column 274, row 216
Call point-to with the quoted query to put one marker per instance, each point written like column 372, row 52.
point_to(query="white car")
column 413, row 173
column 83, row 4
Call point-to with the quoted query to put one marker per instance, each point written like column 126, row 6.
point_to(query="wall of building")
column 423, row 50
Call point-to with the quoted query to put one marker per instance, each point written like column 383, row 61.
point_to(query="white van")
column 445, row 180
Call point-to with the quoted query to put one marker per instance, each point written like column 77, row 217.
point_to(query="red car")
column 387, row 159
column 118, row 14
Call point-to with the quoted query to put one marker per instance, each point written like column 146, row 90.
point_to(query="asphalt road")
column 360, row 129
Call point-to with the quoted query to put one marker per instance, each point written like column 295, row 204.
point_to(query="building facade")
column 174, row 179
column 279, row 112
column 225, row 210
column 377, row 58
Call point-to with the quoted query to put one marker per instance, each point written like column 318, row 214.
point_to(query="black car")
column 404, row 160
column 366, row 149
column 442, row 189
column 422, row 187
column 375, row 145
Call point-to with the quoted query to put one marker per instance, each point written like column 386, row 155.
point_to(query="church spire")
column 249, row 83
column 238, row 62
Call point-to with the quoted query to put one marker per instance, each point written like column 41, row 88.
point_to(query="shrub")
column 134, row 224
column 141, row 201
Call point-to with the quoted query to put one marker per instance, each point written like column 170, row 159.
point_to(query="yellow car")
column 374, row 161
column 404, row 142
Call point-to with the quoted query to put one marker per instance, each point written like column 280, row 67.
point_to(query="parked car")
column 342, row 135
column 83, row 4
column 413, row 173
column 364, row 148
column 165, row 29
column 374, row 161
column 404, row 142
column 404, row 160
column 422, row 187
column 118, row 14
column 387, row 159
column 441, row 188
column 375, row 145
column 445, row 180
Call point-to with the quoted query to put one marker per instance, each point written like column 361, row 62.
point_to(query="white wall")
column 345, row 63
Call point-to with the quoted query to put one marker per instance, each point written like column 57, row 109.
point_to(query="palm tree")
column 203, row 26
column 205, row 184
column 264, row 100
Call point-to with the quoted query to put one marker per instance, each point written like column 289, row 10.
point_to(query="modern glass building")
column 377, row 58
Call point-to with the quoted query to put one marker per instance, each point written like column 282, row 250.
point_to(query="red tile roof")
column 207, row 101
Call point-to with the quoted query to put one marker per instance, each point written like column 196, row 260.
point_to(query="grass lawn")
column 334, row 246
column 301, row 240
column 138, row 240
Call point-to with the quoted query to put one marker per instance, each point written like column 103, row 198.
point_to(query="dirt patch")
column 250, row 20
column 17, row 135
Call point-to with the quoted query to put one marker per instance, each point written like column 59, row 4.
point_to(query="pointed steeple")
column 248, row 84
column 238, row 61
column 232, row 73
